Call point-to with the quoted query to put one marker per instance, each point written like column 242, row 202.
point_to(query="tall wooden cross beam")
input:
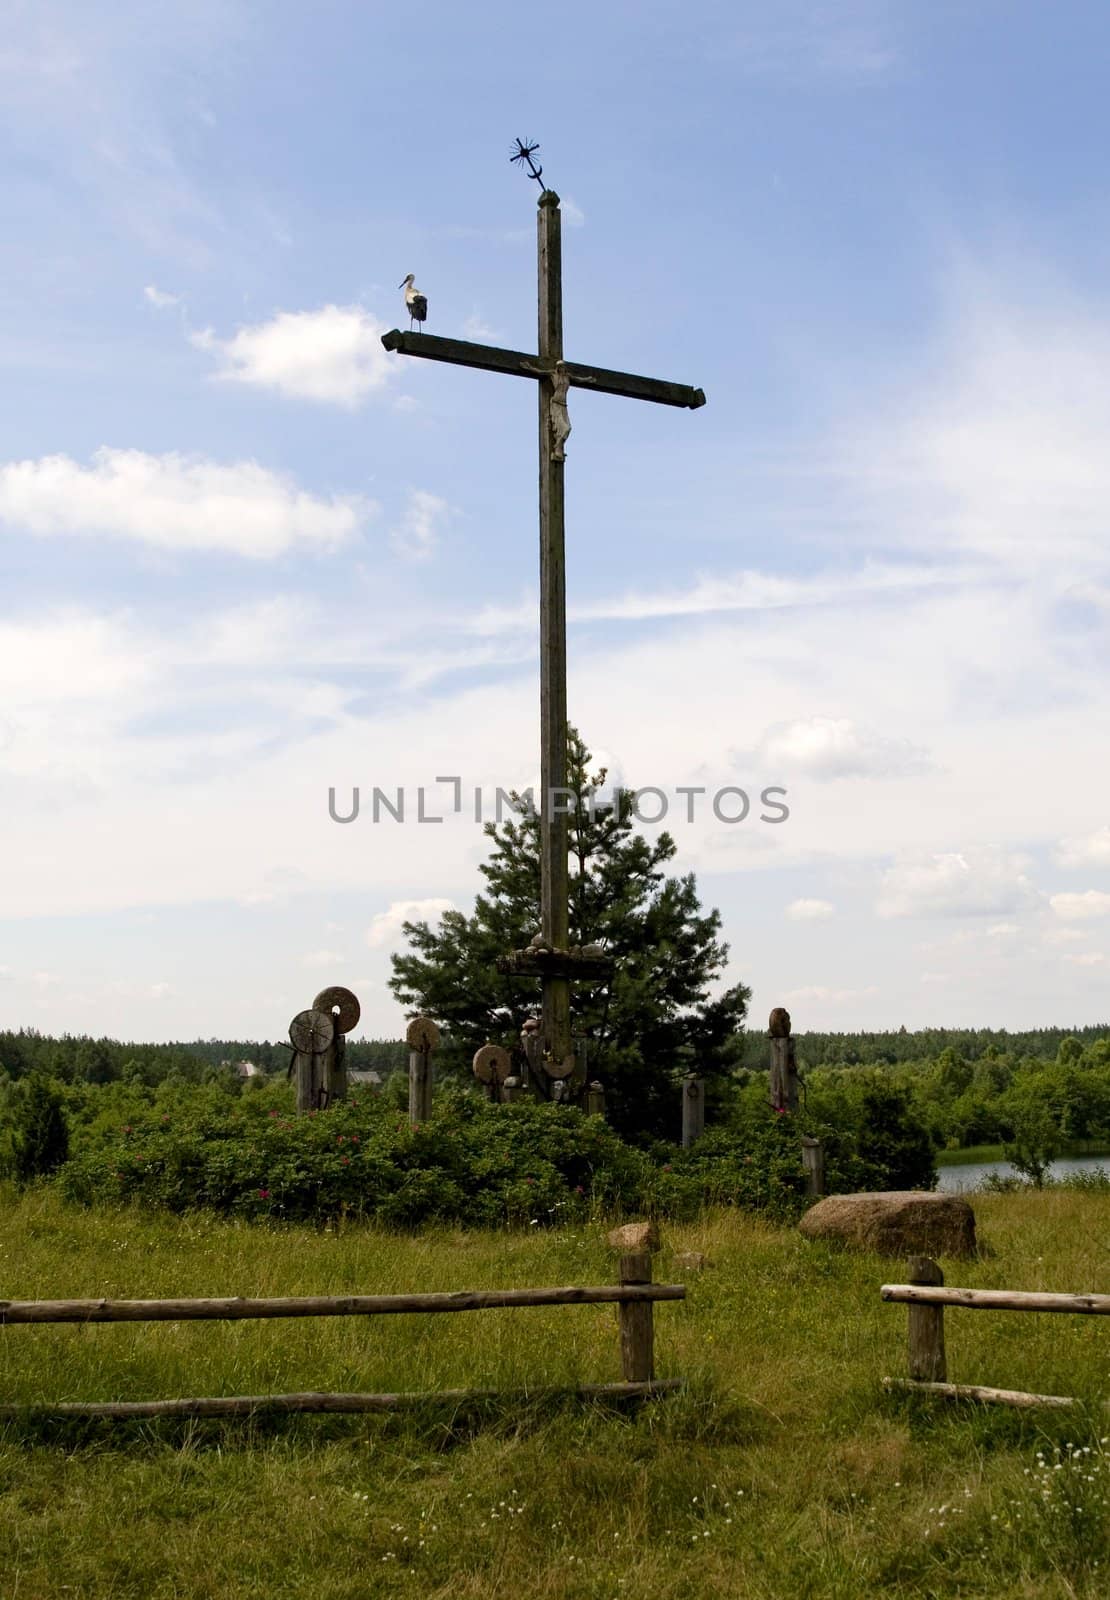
column 555, row 377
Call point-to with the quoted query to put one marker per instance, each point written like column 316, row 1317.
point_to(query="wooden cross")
column 555, row 377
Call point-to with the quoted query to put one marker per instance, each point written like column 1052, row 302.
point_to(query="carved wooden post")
column 693, row 1109
column 421, row 1036
column 492, row 1066
column 343, row 1008
column 595, row 1099
column 928, row 1363
column 784, row 1070
column 312, row 1033
column 813, row 1160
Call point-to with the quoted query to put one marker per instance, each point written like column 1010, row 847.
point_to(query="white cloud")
column 160, row 299
column 1055, row 936
column 333, row 355
column 385, row 929
column 1090, row 850
column 417, row 534
column 955, row 884
column 1003, row 930
column 160, row 991
column 809, row 910
column 322, row 958
column 174, row 502
column 1089, row 958
column 837, row 747
column 1081, row 907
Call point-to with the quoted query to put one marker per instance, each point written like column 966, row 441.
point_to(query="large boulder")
column 895, row 1223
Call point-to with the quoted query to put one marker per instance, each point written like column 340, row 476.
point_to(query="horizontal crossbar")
column 245, row 1405
column 518, row 364
column 353, row 1305
column 921, row 1294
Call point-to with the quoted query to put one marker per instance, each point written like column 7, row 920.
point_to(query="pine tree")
column 657, row 1020
column 41, row 1134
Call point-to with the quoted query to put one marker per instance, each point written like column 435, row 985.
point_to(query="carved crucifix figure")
column 556, row 377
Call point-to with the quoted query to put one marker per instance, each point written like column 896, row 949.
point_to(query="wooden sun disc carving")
column 560, row 1069
column 492, row 1063
column 312, row 1031
column 341, row 1000
column 422, row 1034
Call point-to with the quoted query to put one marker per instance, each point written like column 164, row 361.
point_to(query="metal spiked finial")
column 523, row 156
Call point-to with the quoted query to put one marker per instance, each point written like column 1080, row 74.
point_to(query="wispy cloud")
column 160, row 299
column 809, row 910
column 417, row 534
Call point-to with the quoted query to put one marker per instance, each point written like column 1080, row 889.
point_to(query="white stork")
column 415, row 303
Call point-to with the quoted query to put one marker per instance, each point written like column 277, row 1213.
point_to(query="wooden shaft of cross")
column 554, row 377
column 554, row 883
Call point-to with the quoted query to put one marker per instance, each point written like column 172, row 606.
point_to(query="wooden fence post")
column 421, row 1036
column 784, row 1068
column 926, row 1329
column 693, row 1109
column 813, row 1160
column 637, row 1324
column 595, row 1099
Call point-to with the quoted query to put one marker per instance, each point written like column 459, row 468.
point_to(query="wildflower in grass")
column 263, row 1194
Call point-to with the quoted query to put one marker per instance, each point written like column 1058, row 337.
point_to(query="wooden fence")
column 635, row 1295
column 927, row 1298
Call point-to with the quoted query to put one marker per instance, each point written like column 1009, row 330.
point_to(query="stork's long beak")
column 402, row 283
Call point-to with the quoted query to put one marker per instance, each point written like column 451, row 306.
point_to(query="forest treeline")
column 76, row 1058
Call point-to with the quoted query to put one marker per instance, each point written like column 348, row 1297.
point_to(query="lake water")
column 969, row 1174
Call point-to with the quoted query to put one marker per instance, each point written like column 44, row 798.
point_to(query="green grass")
column 782, row 1470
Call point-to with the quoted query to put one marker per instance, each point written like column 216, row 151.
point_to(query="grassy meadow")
column 781, row 1470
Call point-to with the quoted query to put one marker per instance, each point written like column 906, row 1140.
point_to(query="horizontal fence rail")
column 926, row 1296
column 634, row 1297
column 1095, row 1305
column 346, row 1305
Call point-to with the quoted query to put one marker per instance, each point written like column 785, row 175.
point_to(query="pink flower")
column 346, row 1161
column 578, row 1189
column 354, row 1138
column 667, row 1168
column 340, row 1140
column 263, row 1194
column 128, row 1128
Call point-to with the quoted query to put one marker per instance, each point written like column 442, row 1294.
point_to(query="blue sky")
column 246, row 556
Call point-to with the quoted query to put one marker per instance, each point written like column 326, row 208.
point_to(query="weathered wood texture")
column 1097, row 1305
column 311, row 1400
column 813, row 1161
column 784, row 1074
column 420, row 1087
column 978, row 1391
column 636, row 1321
column 557, row 963
column 353, row 1305
column 519, row 364
column 693, row 1109
column 927, row 1361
